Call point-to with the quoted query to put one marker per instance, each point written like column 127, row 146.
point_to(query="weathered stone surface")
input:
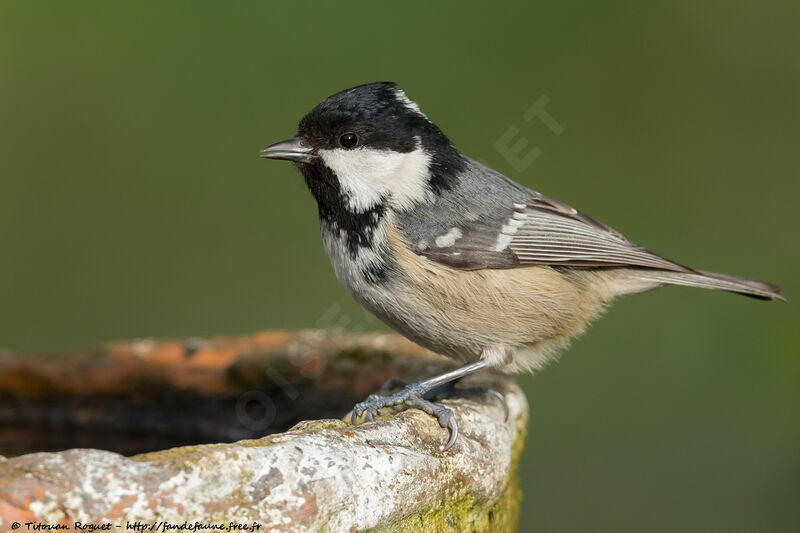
column 320, row 475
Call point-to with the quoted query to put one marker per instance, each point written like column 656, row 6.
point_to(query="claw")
column 502, row 401
column 453, row 426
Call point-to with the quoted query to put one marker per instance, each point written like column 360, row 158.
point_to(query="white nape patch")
column 408, row 103
column 368, row 176
column 422, row 245
column 449, row 238
column 507, row 232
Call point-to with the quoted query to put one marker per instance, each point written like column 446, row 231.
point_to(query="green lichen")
column 460, row 510
column 323, row 423
column 177, row 455
column 465, row 513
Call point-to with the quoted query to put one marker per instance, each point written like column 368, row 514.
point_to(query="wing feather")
column 540, row 230
column 499, row 224
column 566, row 236
column 554, row 233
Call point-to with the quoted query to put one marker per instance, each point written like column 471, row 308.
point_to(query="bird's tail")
column 712, row 280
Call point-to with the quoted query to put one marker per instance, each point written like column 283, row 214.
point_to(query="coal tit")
column 455, row 256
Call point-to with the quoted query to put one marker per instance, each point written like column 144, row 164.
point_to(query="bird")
column 456, row 256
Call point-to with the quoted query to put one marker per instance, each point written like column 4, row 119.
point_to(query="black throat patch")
column 358, row 226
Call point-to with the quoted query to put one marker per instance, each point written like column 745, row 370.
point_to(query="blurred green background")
column 133, row 203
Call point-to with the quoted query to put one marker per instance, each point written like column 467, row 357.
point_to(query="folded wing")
column 539, row 230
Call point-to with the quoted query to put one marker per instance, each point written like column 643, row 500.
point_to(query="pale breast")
column 526, row 313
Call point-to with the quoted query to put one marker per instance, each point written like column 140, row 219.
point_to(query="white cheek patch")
column 368, row 176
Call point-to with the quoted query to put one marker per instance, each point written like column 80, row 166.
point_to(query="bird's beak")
column 291, row 149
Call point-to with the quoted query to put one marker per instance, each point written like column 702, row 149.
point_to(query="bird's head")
column 370, row 146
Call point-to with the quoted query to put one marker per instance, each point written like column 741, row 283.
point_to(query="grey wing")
column 505, row 225
column 545, row 231
column 488, row 221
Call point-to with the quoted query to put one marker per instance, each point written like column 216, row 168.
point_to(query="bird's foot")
column 418, row 396
column 410, row 396
column 449, row 391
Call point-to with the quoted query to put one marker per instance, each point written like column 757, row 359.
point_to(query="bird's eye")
column 348, row 140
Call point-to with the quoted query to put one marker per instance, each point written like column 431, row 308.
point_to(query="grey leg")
column 414, row 396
